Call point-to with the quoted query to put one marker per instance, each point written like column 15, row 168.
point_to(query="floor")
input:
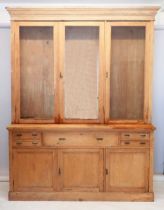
column 57, row 205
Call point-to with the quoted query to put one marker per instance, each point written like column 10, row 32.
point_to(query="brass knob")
column 18, row 142
column 99, row 139
column 34, row 142
column 62, row 139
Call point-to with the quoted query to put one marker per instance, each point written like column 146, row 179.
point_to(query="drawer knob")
column 127, row 135
column 126, row 142
column 18, row 142
column 62, row 139
column 142, row 142
column 34, row 142
column 99, row 139
column 143, row 135
column 34, row 134
column 18, row 134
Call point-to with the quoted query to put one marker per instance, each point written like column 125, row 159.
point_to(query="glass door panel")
column 127, row 73
column 36, row 72
column 81, row 73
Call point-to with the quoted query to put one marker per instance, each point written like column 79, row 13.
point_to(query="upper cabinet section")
column 82, row 65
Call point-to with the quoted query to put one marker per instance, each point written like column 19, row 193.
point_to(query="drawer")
column 134, row 136
column 135, row 143
column 27, row 143
column 80, row 139
column 27, row 135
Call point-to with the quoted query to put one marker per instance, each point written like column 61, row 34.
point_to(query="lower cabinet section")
column 127, row 170
column 39, row 171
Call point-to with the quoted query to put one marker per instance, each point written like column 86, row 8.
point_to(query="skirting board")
column 156, row 178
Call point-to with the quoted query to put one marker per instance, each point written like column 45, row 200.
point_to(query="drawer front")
column 27, row 143
column 135, row 136
column 27, row 135
column 79, row 139
column 141, row 143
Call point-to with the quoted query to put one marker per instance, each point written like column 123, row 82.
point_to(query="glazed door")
column 81, row 66
column 81, row 169
column 127, row 170
column 128, row 47
column 34, row 170
column 34, row 98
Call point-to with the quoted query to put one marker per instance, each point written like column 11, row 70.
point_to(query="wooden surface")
column 126, row 127
column 77, row 139
column 36, row 77
column 81, row 196
column 81, row 101
column 128, row 170
column 51, row 14
column 127, row 72
column 33, row 170
column 81, row 170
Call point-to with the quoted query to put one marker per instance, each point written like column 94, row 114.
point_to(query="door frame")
column 147, row 69
column 101, row 85
column 15, row 38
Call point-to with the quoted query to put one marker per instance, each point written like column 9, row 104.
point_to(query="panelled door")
column 127, row 170
column 81, row 66
column 81, row 170
column 34, row 170
column 128, row 69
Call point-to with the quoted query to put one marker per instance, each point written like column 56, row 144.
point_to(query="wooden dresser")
column 81, row 104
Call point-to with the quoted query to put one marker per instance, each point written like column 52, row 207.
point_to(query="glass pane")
column 36, row 72
column 127, row 73
column 81, row 72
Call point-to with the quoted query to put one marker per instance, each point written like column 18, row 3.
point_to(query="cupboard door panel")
column 127, row 71
column 34, row 170
column 81, row 169
column 37, row 72
column 127, row 170
column 82, row 96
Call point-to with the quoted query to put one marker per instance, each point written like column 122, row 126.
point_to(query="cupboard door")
column 126, row 63
column 37, row 66
column 82, row 72
column 127, row 170
column 81, row 169
column 34, row 170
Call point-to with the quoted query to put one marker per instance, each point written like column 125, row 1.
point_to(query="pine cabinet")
column 81, row 104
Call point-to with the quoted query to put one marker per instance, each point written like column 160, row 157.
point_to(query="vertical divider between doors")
column 61, row 44
column 107, row 73
column 56, row 70
column 101, row 92
column 148, row 71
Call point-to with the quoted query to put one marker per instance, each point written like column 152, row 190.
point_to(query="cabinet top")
column 51, row 14
column 83, row 127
